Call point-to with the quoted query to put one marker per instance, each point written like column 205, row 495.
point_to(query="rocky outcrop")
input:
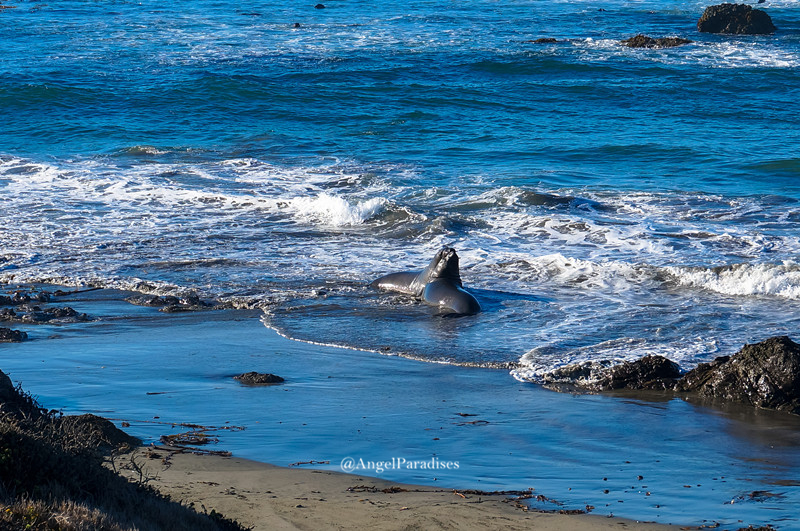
column 643, row 41
column 650, row 372
column 258, row 378
column 735, row 19
column 35, row 314
column 20, row 297
column 765, row 375
column 171, row 304
column 12, row 336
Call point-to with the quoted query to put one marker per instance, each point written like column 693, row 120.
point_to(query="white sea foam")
column 776, row 280
column 557, row 269
column 535, row 364
column 336, row 211
column 744, row 53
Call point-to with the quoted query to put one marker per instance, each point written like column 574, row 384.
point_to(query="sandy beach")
column 267, row 497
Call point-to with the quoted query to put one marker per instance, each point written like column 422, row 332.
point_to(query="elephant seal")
column 439, row 284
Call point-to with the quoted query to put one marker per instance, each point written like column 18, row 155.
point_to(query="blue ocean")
column 606, row 202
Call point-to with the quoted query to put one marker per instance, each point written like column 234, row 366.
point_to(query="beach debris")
column 735, row 19
column 389, row 490
column 196, row 438
column 473, row 423
column 312, row 462
column 8, row 335
column 258, row 378
column 643, row 41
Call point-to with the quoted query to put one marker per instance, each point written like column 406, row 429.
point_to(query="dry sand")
column 267, row 497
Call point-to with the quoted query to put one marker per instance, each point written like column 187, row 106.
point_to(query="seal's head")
column 445, row 265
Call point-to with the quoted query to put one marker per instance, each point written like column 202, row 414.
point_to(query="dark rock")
column 735, row 19
column 319, row 6
column 258, row 378
column 643, row 41
column 64, row 315
column 765, row 375
column 582, row 375
column 153, row 300
column 20, row 298
column 545, row 40
column 650, row 372
column 7, row 314
column 171, row 304
column 44, row 296
column 12, row 336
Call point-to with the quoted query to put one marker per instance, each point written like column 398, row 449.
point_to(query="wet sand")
column 267, row 497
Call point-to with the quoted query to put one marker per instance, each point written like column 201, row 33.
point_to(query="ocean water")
column 605, row 202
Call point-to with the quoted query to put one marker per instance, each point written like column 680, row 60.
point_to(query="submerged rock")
column 735, row 19
column 643, row 41
column 258, row 378
column 12, row 336
column 765, row 374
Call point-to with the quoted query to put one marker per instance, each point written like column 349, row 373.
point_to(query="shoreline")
column 169, row 370
column 263, row 497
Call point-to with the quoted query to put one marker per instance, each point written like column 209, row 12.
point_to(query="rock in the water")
column 643, row 41
column 650, row 372
column 735, row 19
column 170, row 303
column 153, row 300
column 12, row 336
column 545, row 40
column 765, row 374
column 258, row 378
